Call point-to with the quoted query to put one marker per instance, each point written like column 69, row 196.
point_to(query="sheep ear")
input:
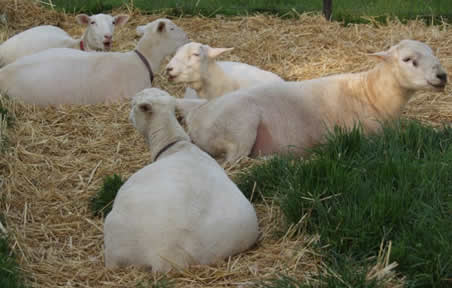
column 145, row 107
column 121, row 20
column 83, row 19
column 215, row 52
column 384, row 55
column 161, row 26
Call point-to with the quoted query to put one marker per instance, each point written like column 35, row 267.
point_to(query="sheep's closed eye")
column 93, row 22
column 196, row 54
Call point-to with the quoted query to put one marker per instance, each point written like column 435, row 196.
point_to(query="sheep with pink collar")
column 97, row 36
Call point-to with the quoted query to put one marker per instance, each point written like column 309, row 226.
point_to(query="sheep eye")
column 196, row 54
column 114, row 22
column 410, row 59
column 93, row 22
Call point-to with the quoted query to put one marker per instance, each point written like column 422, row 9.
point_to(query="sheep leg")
column 239, row 141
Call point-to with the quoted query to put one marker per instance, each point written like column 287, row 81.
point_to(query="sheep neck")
column 215, row 82
column 84, row 40
column 154, row 52
column 168, row 132
column 384, row 93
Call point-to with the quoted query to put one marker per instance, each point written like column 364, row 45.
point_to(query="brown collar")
column 146, row 63
column 82, row 47
column 164, row 149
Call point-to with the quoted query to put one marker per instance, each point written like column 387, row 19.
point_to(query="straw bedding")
column 57, row 157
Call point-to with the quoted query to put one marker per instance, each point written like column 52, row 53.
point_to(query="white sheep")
column 68, row 76
column 195, row 64
column 180, row 210
column 279, row 117
column 97, row 36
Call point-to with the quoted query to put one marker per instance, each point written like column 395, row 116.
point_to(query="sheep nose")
column 442, row 77
column 108, row 36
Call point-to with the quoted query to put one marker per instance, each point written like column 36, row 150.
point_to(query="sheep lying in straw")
column 180, row 210
column 68, row 76
column 97, row 36
column 195, row 64
column 273, row 118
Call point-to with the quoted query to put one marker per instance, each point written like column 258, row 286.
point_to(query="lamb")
column 180, row 210
column 195, row 64
column 68, row 76
column 97, row 36
column 293, row 116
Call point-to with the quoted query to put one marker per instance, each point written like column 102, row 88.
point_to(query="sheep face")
column 164, row 32
column 191, row 61
column 100, row 30
column 186, row 63
column 415, row 66
column 147, row 105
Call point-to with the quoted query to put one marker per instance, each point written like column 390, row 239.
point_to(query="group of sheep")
column 182, row 209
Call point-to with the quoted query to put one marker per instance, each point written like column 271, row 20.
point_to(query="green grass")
column 360, row 190
column 344, row 10
column 102, row 202
column 10, row 275
column 160, row 283
column 5, row 116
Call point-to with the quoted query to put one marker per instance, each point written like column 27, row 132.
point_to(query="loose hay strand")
column 58, row 156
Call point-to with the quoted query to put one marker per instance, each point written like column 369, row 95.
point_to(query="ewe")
column 195, row 65
column 68, row 76
column 97, row 36
column 180, row 210
column 273, row 118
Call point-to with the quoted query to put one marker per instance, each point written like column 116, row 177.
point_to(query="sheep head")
column 100, row 29
column 147, row 105
column 164, row 33
column 191, row 61
column 415, row 66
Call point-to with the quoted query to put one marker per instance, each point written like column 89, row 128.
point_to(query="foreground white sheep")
column 195, row 65
column 180, row 210
column 67, row 76
column 277, row 117
column 98, row 36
